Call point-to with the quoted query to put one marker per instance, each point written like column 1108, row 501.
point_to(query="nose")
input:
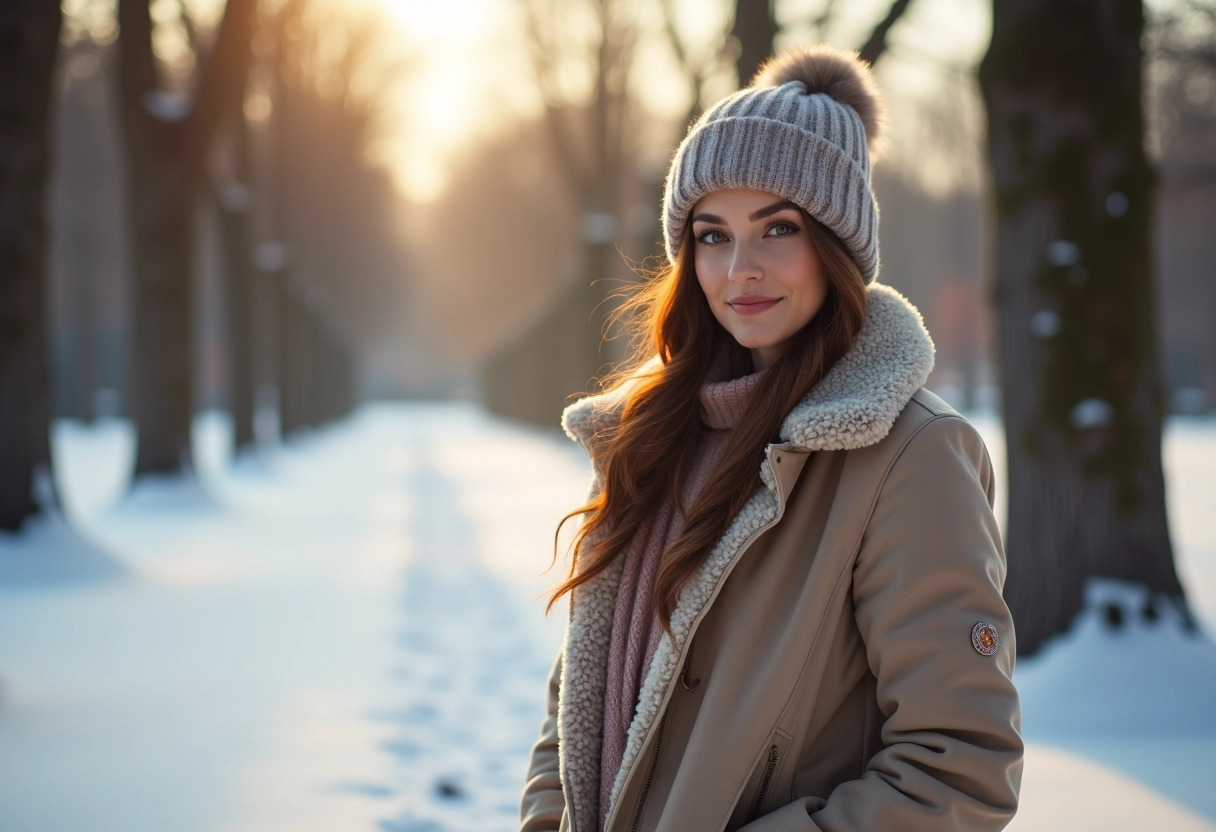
column 743, row 265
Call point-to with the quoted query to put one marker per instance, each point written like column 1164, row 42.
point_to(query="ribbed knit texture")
column 806, row 147
column 635, row 627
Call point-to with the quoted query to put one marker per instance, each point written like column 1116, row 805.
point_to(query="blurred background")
column 295, row 291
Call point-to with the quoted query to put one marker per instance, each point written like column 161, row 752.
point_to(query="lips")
column 752, row 305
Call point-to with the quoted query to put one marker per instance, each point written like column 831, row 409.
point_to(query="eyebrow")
column 776, row 207
column 760, row 214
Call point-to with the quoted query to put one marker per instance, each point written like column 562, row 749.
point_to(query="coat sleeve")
column 543, row 804
column 929, row 569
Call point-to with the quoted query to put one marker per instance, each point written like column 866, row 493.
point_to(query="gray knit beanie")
column 803, row 130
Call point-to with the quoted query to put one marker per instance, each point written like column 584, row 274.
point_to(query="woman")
column 786, row 606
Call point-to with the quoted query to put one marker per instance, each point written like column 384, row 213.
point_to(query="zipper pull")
column 684, row 672
column 684, row 679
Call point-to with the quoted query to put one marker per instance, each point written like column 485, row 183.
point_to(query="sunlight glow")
column 471, row 75
column 445, row 102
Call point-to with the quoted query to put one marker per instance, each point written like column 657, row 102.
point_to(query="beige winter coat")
column 823, row 674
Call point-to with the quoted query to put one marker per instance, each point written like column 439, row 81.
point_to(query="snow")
column 167, row 106
column 349, row 633
column 1046, row 323
column 1091, row 413
column 1063, row 253
column 1139, row 698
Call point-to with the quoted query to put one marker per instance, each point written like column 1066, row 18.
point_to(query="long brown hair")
column 648, row 453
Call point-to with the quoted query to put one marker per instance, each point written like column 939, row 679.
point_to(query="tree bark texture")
column 166, row 143
column 29, row 41
column 1074, row 291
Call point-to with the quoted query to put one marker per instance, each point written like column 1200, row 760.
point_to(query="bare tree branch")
column 623, row 36
column 876, row 45
column 222, row 76
column 563, row 142
column 673, row 36
column 696, row 71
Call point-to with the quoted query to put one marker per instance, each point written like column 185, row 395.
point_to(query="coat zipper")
column 773, row 754
column 654, row 763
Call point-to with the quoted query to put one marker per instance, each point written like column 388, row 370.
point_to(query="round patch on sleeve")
column 984, row 638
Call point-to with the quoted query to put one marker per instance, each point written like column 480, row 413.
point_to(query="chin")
column 758, row 343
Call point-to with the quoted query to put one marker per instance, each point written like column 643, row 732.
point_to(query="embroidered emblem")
column 984, row 638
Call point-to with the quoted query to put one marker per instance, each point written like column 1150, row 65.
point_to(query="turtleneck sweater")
column 635, row 626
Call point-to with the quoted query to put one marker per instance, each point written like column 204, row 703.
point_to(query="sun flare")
column 444, row 102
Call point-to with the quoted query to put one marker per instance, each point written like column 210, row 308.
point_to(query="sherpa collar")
column 853, row 406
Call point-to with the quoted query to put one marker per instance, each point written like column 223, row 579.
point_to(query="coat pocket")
column 766, row 795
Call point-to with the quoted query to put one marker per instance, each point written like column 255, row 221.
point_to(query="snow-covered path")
column 350, row 636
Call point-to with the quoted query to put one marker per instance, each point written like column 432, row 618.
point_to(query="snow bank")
column 1122, row 697
column 1118, row 671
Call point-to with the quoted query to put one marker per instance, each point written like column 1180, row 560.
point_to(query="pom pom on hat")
column 840, row 75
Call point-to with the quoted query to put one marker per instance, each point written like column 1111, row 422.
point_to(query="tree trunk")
column 239, row 275
column 333, row 397
column 289, row 357
column 85, row 342
column 599, row 259
column 1082, row 404
column 166, row 140
column 306, row 380
column 754, row 29
column 29, row 41
column 340, row 375
column 291, row 373
column 162, row 245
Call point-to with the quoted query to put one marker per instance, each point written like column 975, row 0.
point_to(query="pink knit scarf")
column 635, row 624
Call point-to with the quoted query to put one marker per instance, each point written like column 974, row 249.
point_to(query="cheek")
column 809, row 285
column 814, row 281
column 703, row 266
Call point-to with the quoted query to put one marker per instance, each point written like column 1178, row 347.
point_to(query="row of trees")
column 250, row 122
column 1073, row 197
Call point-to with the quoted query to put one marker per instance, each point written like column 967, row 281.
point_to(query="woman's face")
column 759, row 271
